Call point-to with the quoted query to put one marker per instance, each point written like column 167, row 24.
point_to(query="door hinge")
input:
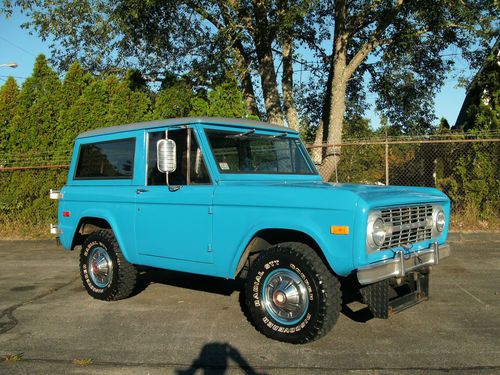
column 209, row 248
column 210, row 210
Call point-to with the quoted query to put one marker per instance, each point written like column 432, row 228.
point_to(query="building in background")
column 481, row 106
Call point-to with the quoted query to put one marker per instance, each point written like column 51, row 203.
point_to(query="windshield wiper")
column 243, row 134
column 252, row 132
column 282, row 135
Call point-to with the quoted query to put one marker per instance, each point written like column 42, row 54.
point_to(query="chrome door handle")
column 174, row 187
column 140, row 191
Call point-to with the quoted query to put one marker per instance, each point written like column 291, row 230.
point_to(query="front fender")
column 338, row 255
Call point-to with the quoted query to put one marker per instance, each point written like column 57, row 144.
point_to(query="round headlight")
column 440, row 220
column 378, row 232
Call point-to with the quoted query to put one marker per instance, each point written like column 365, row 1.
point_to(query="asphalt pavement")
column 187, row 324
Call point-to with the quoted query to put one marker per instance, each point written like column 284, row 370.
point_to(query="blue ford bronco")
column 242, row 199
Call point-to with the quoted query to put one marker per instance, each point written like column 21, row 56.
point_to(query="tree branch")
column 363, row 19
column 374, row 40
column 202, row 12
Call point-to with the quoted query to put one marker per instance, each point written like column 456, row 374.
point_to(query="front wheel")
column 290, row 294
column 105, row 272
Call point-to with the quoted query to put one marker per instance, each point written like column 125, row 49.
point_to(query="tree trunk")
column 322, row 131
column 331, row 153
column 333, row 116
column 287, row 84
column 242, row 67
column 263, row 45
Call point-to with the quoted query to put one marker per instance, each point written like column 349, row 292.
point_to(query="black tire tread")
column 331, row 287
column 127, row 273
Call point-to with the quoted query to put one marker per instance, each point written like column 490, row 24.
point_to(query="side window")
column 106, row 160
column 179, row 177
column 155, row 177
column 191, row 168
column 198, row 173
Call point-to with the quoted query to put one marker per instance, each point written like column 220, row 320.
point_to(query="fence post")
column 386, row 161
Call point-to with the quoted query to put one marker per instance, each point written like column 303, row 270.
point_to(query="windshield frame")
column 258, row 134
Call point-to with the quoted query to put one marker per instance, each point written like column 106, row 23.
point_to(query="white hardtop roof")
column 187, row 121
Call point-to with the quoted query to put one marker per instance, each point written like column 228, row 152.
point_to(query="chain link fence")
column 464, row 166
column 35, row 160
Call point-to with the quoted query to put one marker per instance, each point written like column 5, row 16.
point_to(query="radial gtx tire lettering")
column 290, row 295
column 105, row 273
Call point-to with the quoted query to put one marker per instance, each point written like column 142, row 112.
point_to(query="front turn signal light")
column 339, row 229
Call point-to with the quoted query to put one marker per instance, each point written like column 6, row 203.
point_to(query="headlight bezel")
column 374, row 219
column 438, row 220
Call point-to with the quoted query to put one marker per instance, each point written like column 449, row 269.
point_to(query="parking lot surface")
column 188, row 324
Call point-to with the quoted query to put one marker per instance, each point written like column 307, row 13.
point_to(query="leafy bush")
column 43, row 118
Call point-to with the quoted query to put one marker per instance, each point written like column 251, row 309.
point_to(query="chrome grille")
column 409, row 224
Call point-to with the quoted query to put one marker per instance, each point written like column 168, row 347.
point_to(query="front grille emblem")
column 407, row 246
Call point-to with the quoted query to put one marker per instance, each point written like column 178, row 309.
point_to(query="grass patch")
column 19, row 230
column 82, row 361
column 12, row 358
column 471, row 221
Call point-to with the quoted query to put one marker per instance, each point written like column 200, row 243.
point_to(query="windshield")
column 256, row 153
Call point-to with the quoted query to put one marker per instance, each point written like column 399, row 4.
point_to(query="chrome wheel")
column 100, row 267
column 285, row 296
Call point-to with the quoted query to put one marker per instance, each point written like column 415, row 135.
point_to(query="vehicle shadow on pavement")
column 352, row 302
column 188, row 281
column 214, row 359
column 352, row 305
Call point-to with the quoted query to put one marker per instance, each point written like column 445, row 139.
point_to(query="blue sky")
column 17, row 45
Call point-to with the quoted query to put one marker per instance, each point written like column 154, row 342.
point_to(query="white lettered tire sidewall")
column 124, row 274
column 304, row 263
column 95, row 291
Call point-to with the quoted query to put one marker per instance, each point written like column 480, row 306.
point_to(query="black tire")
column 298, row 267
column 120, row 279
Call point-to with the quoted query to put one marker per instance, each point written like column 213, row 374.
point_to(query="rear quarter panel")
column 108, row 199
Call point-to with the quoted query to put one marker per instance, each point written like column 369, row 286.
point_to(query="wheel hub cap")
column 285, row 296
column 279, row 298
column 100, row 267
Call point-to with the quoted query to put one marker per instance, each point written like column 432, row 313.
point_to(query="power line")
column 13, row 77
column 18, row 47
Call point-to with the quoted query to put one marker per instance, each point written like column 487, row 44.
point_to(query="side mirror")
column 166, row 156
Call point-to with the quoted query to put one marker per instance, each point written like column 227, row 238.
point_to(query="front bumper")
column 402, row 264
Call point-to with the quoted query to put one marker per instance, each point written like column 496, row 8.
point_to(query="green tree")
column 474, row 183
column 397, row 46
column 405, row 41
column 444, row 126
column 174, row 100
column 225, row 100
column 357, row 162
column 73, row 86
column 89, row 111
column 33, row 128
column 472, row 173
column 9, row 93
column 125, row 105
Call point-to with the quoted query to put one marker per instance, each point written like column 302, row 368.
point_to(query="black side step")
column 385, row 298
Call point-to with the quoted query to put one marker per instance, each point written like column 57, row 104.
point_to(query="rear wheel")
column 291, row 295
column 105, row 273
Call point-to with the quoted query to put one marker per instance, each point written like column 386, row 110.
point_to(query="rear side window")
column 106, row 160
